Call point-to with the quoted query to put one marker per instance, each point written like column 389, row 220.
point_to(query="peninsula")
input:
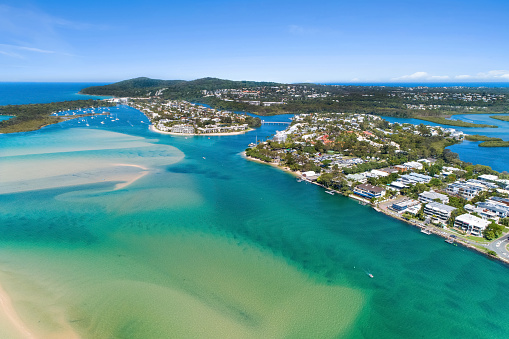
column 402, row 170
column 35, row 116
column 180, row 117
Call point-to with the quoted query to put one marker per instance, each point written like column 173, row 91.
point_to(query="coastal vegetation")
column 269, row 98
column 494, row 143
column 500, row 117
column 477, row 137
column 32, row 117
column 487, row 141
column 459, row 123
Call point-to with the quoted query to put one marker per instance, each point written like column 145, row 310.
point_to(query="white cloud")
column 25, row 48
column 420, row 76
column 490, row 75
column 439, row 77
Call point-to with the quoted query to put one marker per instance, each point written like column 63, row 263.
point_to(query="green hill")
column 173, row 89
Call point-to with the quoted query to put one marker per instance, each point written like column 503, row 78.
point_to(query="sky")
column 283, row 41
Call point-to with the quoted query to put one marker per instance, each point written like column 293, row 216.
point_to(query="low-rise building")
column 186, row 129
column 404, row 205
column 414, row 178
column 432, row 196
column 369, row 191
column 464, row 189
column 438, row 213
column 471, row 224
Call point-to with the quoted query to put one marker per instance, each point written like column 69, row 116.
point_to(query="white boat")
column 329, row 192
column 425, row 231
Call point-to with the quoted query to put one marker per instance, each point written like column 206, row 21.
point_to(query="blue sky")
column 284, row 41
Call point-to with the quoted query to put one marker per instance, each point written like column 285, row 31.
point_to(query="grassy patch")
column 444, row 121
column 498, row 143
column 500, row 117
column 477, row 137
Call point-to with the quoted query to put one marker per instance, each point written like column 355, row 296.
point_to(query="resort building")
column 471, row 224
column 432, row 196
column 438, row 213
column 186, row 129
column 369, row 191
column 279, row 137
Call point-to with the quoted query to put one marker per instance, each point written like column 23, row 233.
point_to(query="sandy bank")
column 154, row 129
column 283, row 168
column 19, row 328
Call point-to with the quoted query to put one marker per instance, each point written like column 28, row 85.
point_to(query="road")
column 499, row 246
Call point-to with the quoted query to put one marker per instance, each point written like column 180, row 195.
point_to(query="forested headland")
column 32, row 117
column 269, row 98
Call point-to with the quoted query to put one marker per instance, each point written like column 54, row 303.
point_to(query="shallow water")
column 207, row 244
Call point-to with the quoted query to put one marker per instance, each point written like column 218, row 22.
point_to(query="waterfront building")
column 408, row 205
column 186, row 129
column 439, row 213
column 431, row 196
column 369, row 191
column 280, row 137
column 357, row 177
column 471, row 224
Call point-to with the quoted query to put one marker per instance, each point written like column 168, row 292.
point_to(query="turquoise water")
column 207, row 244
column 5, row 117
column 495, row 157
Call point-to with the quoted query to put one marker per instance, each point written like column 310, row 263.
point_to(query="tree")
column 435, row 182
column 493, row 231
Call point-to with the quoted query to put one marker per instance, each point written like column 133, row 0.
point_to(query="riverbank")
column 441, row 232
column 457, row 123
column 154, row 129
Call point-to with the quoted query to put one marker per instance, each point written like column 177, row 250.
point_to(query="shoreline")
column 434, row 229
column 154, row 129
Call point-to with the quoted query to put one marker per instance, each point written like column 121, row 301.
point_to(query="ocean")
column 111, row 230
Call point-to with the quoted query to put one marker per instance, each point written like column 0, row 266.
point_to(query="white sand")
column 154, row 129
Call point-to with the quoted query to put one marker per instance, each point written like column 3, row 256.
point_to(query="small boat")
column 204, row 158
column 329, row 192
column 449, row 241
column 425, row 231
column 370, row 275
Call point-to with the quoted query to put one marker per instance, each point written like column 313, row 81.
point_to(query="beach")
column 154, row 129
